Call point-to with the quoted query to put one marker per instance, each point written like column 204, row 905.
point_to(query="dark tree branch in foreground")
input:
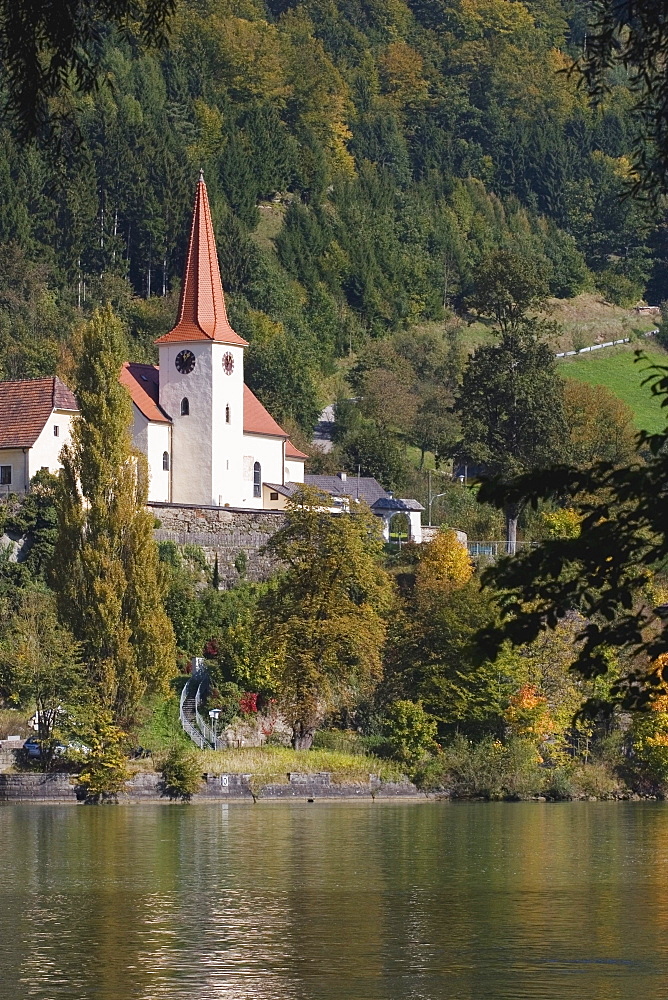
column 633, row 34
column 604, row 573
column 51, row 47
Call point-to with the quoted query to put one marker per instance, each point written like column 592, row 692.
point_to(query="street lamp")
column 431, row 500
column 214, row 715
column 429, row 496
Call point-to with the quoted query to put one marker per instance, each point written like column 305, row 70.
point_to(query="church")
column 208, row 440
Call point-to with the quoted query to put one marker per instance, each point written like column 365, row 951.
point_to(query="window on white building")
column 5, row 475
column 185, row 407
column 257, row 480
column 165, row 461
column 227, row 414
column 56, row 430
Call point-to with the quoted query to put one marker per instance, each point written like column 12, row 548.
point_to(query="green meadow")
column 619, row 369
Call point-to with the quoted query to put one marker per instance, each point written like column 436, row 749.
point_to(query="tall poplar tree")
column 106, row 573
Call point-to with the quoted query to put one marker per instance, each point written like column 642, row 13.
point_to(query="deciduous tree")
column 511, row 410
column 40, row 665
column 325, row 617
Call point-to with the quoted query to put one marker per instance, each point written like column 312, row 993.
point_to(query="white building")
column 35, row 418
column 207, row 438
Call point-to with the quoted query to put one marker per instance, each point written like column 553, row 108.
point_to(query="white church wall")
column 268, row 451
column 294, row 470
column 139, row 430
column 153, row 439
column 158, row 441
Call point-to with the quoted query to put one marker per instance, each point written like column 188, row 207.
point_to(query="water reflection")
column 334, row 902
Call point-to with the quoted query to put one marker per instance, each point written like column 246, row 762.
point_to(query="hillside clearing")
column 618, row 369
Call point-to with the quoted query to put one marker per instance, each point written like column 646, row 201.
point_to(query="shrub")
column 410, row 731
column 596, row 780
column 491, row 770
column 181, row 772
column 104, row 772
column 559, row 783
column 617, row 288
column 342, row 740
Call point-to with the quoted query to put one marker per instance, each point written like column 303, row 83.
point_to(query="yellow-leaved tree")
column 444, row 566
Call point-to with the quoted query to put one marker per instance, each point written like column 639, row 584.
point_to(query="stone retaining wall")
column 224, row 532
column 147, row 786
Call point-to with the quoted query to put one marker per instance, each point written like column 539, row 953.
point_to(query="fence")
column 492, row 550
column 598, row 347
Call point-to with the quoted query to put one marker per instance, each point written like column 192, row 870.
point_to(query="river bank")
column 148, row 786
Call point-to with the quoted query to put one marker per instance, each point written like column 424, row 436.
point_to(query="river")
column 335, row 901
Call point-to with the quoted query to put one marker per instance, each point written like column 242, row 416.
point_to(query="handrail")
column 186, row 724
column 204, row 727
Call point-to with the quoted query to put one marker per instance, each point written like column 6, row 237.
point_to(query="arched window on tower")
column 185, row 407
column 227, row 414
column 257, row 480
column 165, row 461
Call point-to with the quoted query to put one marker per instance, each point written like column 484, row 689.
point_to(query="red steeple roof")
column 202, row 313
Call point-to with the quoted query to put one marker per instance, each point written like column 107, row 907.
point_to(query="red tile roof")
column 143, row 383
column 292, row 452
column 257, row 420
column 202, row 313
column 26, row 406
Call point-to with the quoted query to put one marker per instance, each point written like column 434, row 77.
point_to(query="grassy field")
column 271, row 765
column 616, row 368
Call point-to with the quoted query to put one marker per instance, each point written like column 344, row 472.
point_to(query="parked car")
column 33, row 747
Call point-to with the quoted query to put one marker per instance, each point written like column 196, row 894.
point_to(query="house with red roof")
column 35, row 419
column 207, row 438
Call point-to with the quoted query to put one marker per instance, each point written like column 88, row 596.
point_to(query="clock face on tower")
column 228, row 363
column 185, row 362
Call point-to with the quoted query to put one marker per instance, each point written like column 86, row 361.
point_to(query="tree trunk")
column 302, row 736
column 512, row 515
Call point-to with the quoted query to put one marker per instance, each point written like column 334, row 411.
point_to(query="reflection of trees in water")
column 383, row 901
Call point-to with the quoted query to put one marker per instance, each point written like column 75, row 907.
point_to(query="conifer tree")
column 106, row 572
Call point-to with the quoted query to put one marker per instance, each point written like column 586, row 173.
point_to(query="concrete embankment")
column 147, row 786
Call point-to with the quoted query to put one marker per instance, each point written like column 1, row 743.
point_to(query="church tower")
column 202, row 378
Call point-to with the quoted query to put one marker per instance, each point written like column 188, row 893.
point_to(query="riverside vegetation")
column 379, row 175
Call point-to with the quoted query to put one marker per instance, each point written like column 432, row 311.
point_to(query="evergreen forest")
column 362, row 158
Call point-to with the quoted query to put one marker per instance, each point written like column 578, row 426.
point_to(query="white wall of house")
column 268, row 451
column 45, row 453
column 17, row 460
column 207, row 451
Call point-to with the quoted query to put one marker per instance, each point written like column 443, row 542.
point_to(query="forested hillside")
column 361, row 157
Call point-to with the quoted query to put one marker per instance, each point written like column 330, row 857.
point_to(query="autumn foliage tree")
column 444, row 566
column 324, row 619
column 107, row 577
